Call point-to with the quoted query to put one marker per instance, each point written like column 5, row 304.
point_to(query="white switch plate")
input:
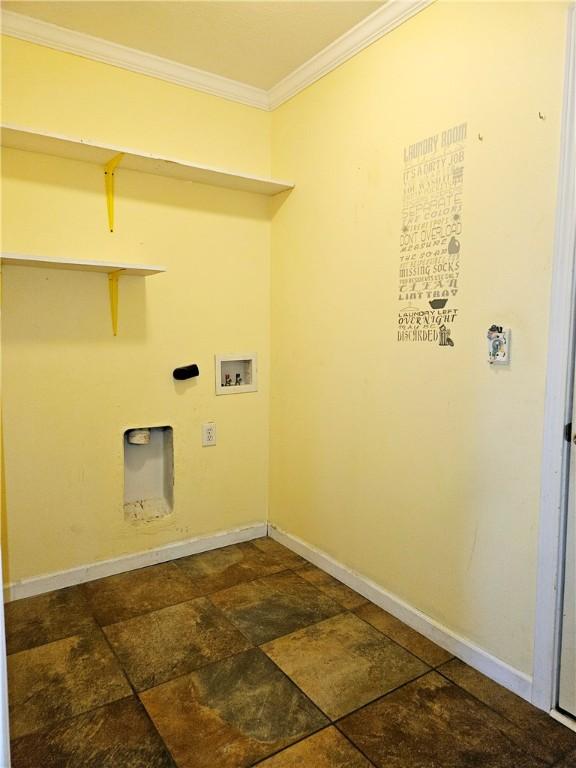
column 498, row 345
column 209, row 434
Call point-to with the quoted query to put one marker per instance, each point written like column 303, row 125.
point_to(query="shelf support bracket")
column 109, row 170
column 113, row 291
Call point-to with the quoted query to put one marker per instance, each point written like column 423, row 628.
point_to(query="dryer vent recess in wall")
column 148, row 474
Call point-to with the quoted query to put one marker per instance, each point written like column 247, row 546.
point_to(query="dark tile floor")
column 245, row 656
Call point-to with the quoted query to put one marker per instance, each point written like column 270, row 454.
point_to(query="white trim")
column 559, row 388
column 564, row 719
column 51, row 581
column 4, row 717
column 370, row 29
column 462, row 647
column 95, row 48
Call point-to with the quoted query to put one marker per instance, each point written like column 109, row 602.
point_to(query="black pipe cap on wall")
column 186, row 372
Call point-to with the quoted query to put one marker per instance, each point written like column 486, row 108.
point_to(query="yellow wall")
column 70, row 388
column 414, row 464
column 62, row 93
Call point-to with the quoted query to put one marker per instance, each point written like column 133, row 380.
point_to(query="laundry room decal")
column 431, row 237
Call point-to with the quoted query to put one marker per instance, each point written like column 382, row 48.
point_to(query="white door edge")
column 4, row 723
column 559, row 374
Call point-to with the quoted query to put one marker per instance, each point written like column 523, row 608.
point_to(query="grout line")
column 399, row 645
column 190, row 671
column 349, row 740
column 324, row 588
column 149, row 613
column 60, row 723
column 382, row 696
column 257, row 648
column 105, row 638
column 521, row 729
column 78, row 633
column 300, row 629
column 297, row 629
column 120, row 665
column 292, row 744
column 196, row 669
column 206, row 595
column 57, row 723
column 240, row 584
column 306, row 696
column 155, row 728
column 292, row 631
column 335, row 720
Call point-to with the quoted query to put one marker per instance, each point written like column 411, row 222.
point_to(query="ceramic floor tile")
column 343, row 663
column 45, row 618
column 278, row 552
column 431, row 723
column 326, row 749
column 222, row 568
column 164, row 644
column 347, row 597
column 274, row 606
column 126, row 595
column 119, row 735
column 59, row 680
column 544, row 737
column 404, row 635
column 231, row 714
column 568, row 762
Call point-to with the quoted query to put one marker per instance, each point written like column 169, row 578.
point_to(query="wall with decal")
column 423, row 213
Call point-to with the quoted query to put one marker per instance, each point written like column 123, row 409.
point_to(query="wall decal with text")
column 431, row 237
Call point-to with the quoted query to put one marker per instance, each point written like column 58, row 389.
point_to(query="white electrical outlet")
column 209, row 434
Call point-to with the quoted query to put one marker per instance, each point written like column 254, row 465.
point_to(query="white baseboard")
column 464, row 649
column 40, row 584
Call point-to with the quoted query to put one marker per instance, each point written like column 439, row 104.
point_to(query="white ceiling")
column 258, row 42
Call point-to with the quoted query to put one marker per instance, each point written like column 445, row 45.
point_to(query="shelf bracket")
column 109, row 170
column 113, row 291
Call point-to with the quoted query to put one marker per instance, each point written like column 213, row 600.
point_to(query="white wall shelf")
column 82, row 265
column 135, row 160
column 113, row 269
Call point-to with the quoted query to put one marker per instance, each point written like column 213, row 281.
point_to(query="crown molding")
column 67, row 40
column 370, row 29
